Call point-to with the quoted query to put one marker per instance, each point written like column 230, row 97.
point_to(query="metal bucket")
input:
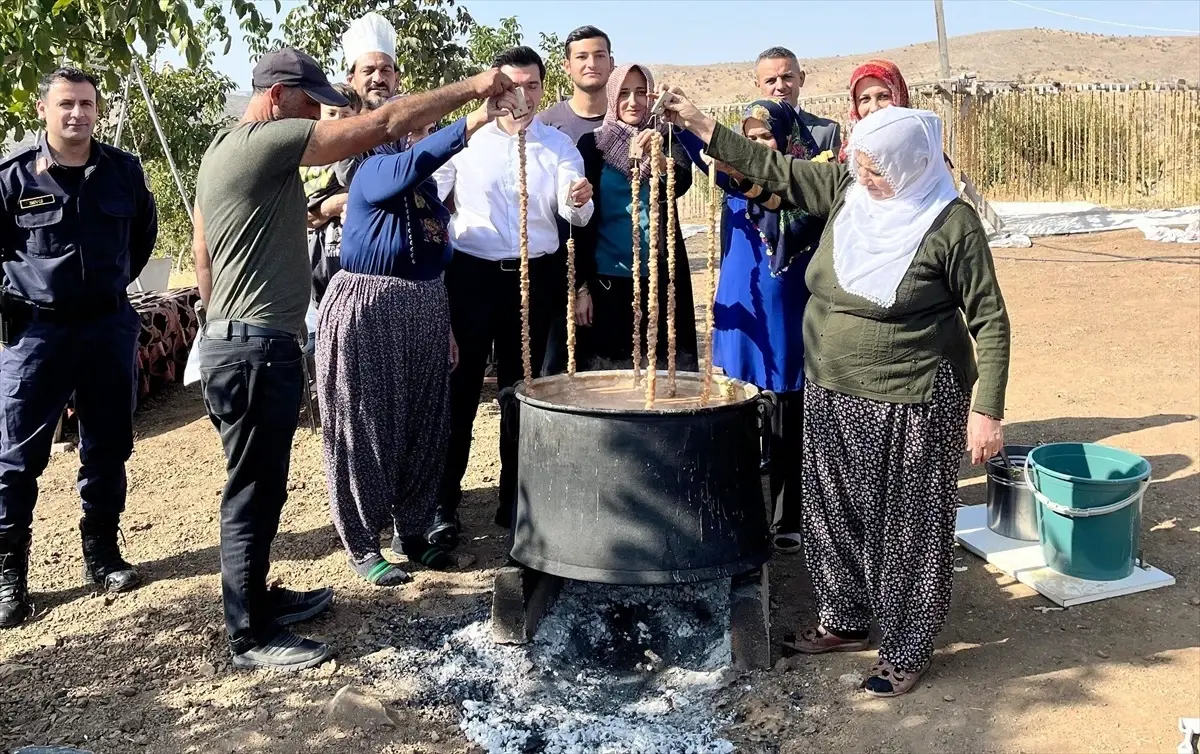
column 1011, row 508
column 633, row 496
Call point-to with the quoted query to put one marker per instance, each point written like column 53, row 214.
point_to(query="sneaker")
column 286, row 651
column 293, row 607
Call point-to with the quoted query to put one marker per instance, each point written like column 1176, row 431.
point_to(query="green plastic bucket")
column 1089, row 507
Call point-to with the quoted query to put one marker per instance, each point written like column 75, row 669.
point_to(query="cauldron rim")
column 754, row 393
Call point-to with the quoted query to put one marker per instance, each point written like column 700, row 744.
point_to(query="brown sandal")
column 818, row 641
column 890, row 680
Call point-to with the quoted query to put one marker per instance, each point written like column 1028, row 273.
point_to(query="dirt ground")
column 1106, row 348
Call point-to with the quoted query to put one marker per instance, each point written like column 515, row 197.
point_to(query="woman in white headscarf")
column 902, row 282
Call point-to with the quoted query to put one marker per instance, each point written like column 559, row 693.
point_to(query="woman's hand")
column 583, row 307
column 985, row 437
column 681, row 112
column 453, row 352
column 645, row 140
column 581, row 193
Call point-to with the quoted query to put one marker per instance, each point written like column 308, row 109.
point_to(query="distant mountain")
column 1023, row 56
column 235, row 103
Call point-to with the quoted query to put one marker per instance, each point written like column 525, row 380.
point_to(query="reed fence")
column 1116, row 145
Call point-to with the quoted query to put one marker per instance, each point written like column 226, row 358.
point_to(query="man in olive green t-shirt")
column 253, row 273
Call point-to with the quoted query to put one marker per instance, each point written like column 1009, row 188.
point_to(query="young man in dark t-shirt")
column 589, row 63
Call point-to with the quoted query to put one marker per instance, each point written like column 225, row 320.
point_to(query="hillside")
column 1026, row 56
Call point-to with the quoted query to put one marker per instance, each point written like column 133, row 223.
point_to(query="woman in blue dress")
column 758, row 317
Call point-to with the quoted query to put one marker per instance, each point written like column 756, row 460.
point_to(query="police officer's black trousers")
column 39, row 370
column 253, row 389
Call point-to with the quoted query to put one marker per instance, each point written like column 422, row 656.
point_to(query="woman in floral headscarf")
column 874, row 85
column 758, row 318
column 604, row 248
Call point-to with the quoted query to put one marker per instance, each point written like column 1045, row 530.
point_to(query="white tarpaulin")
column 1065, row 218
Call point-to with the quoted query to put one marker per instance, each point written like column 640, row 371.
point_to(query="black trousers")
column 252, row 389
column 485, row 311
column 40, row 369
column 786, row 451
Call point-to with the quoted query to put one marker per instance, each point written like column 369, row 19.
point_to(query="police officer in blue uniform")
column 77, row 225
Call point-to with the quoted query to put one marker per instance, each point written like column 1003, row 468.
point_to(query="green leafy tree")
column 103, row 36
column 428, row 53
column 486, row 42
column 190, row 104
column 558, row 83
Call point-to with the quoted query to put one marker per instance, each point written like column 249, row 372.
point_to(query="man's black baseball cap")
column 293, row 68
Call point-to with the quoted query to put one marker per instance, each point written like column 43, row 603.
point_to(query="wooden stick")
column 570, row 301
column 523, row 188
column 635, row 211
column 656, row 145
column 710, row 281
column 670, row 273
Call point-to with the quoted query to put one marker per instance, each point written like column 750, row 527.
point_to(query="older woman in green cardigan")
column 902, row 282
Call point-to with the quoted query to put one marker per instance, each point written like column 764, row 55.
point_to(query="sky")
column 688, row 32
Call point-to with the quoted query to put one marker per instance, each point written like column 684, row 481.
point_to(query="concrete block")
column 750, row 621
column 520, row 598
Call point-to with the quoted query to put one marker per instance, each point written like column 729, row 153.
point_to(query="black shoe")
column 103, row 564
column 443, row 534
column 293, row 607
column 286, row 651
column 15, row 606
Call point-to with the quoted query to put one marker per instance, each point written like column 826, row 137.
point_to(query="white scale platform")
column 1024, row 562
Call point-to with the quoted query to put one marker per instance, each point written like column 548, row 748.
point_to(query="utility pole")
column 943, row 45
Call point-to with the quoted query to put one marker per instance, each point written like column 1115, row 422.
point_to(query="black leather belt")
column 229, row 329
column 505, row 265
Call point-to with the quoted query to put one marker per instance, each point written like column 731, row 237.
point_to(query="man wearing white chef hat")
column 370, row 48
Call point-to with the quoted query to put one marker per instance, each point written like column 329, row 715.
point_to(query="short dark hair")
column 351, row 96
column 520, row 56
column 66, row 73
column 586, row 32
column 776, row 53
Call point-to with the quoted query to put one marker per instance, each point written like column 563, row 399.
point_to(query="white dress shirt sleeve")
column 445, row 177
column 570, row 170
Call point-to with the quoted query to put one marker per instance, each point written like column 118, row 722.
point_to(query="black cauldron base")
column 611, row 492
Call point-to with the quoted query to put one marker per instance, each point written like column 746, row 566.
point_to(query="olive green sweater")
column 949, row 295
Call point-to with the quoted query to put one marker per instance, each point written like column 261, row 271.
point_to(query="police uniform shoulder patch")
column 31, row 202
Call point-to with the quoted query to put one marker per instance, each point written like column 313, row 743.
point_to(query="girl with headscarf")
column 874, row 85
column 604, row 248
column 902, row 285
column 758, row 317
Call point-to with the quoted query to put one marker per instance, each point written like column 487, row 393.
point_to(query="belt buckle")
column 510, row 265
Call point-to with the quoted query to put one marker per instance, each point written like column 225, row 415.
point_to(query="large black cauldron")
column 630, row 496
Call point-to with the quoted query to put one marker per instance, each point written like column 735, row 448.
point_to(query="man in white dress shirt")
column 483, row 280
